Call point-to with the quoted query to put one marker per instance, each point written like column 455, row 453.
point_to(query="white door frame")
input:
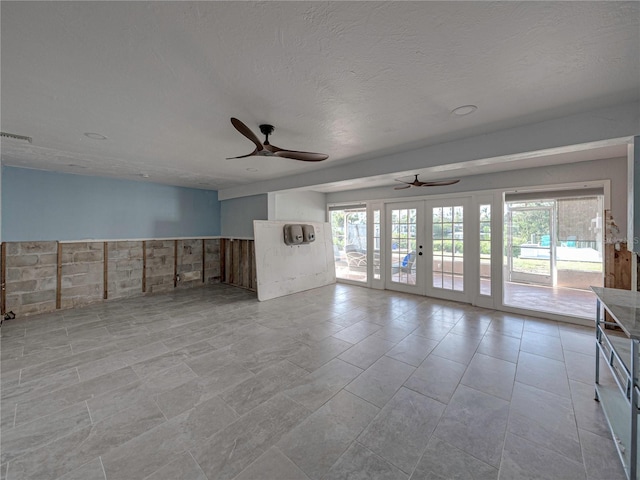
column 470, row 249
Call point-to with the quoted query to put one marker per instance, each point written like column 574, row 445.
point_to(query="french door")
column 426, row 248
column 447, row 272
column 405, row 241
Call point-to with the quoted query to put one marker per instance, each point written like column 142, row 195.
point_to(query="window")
column 485, row 249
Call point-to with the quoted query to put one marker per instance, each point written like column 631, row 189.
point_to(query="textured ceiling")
column 351, row 79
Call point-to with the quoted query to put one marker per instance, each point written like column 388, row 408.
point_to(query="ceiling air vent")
column 22, row 138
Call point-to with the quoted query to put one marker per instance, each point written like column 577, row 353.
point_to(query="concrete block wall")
column 125, row 269
column 31, row 276
column 212, row 260
column 189, row 263
column 32, row 279
column 160, row 263
column 82, row 273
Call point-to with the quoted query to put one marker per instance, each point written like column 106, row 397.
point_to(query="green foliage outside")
column 341, row 221
column 528, row 227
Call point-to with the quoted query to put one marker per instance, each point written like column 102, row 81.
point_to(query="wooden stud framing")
column 245, row 265
column 59, row 278
column 175, row 263
column 105, row 281
column 221, row 250
column 204, row 256
column 235, row 261
column 3, row 279
column 254, row 278
column 228, row 261
column 238, row 263
column 144, row 266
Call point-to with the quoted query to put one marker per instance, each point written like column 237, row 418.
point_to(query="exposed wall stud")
column 144, row 266
column 254, row 278
column 221, row 254
column 203, row 259
column 105, row 281
column 59, row 278
column 235, row 261
column 245, row 264
column 175, row 263
column 3, row 278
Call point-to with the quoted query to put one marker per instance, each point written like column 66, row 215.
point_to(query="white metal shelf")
column 620, row 401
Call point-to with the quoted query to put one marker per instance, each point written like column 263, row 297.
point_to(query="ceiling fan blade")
column 437, row 184
column 408, row 185
column 246, row 131
column 304, row 156
column 255, row 152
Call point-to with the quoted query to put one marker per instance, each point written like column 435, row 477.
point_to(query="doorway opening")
column 349, row 233
column 553, row 251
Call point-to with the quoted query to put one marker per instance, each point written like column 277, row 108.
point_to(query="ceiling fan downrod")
column 266, row 131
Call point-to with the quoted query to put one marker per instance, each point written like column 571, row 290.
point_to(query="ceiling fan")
column 418, row 183
column 265, row 149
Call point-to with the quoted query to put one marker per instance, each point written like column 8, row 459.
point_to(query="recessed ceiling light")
column 250, row 169
column 464, row 110
column 95, row 136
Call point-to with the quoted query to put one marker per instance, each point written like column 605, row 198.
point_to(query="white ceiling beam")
column 563, row 134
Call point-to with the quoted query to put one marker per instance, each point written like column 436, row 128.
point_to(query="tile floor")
column 335, row 383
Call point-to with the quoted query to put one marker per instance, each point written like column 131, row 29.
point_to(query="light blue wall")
column 41, row 205
column 238, row 215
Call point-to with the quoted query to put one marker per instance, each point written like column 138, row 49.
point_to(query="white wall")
column 285, row 269
column 611, row 169
column 237, row 215
column 305, row 206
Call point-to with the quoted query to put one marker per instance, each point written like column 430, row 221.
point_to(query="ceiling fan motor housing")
column 267, row 129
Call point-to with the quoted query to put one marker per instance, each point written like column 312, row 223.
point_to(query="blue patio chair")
column 545, row 241
column 407, row 262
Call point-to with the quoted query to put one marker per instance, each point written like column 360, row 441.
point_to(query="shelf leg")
column 597, row 348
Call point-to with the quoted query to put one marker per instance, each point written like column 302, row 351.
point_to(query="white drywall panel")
column 282, row 269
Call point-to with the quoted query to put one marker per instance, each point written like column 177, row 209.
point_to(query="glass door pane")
column 349, row 232
column 402, row 249
column 376, row 244
column 447, row 233
column 485, row 249
column 404, row 238
column 529, row 245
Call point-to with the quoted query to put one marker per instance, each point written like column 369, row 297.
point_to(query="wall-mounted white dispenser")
column 293, row 234
column 308, row 234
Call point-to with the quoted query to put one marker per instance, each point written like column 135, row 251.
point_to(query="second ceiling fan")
column 418, row 183
column 265, row 149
